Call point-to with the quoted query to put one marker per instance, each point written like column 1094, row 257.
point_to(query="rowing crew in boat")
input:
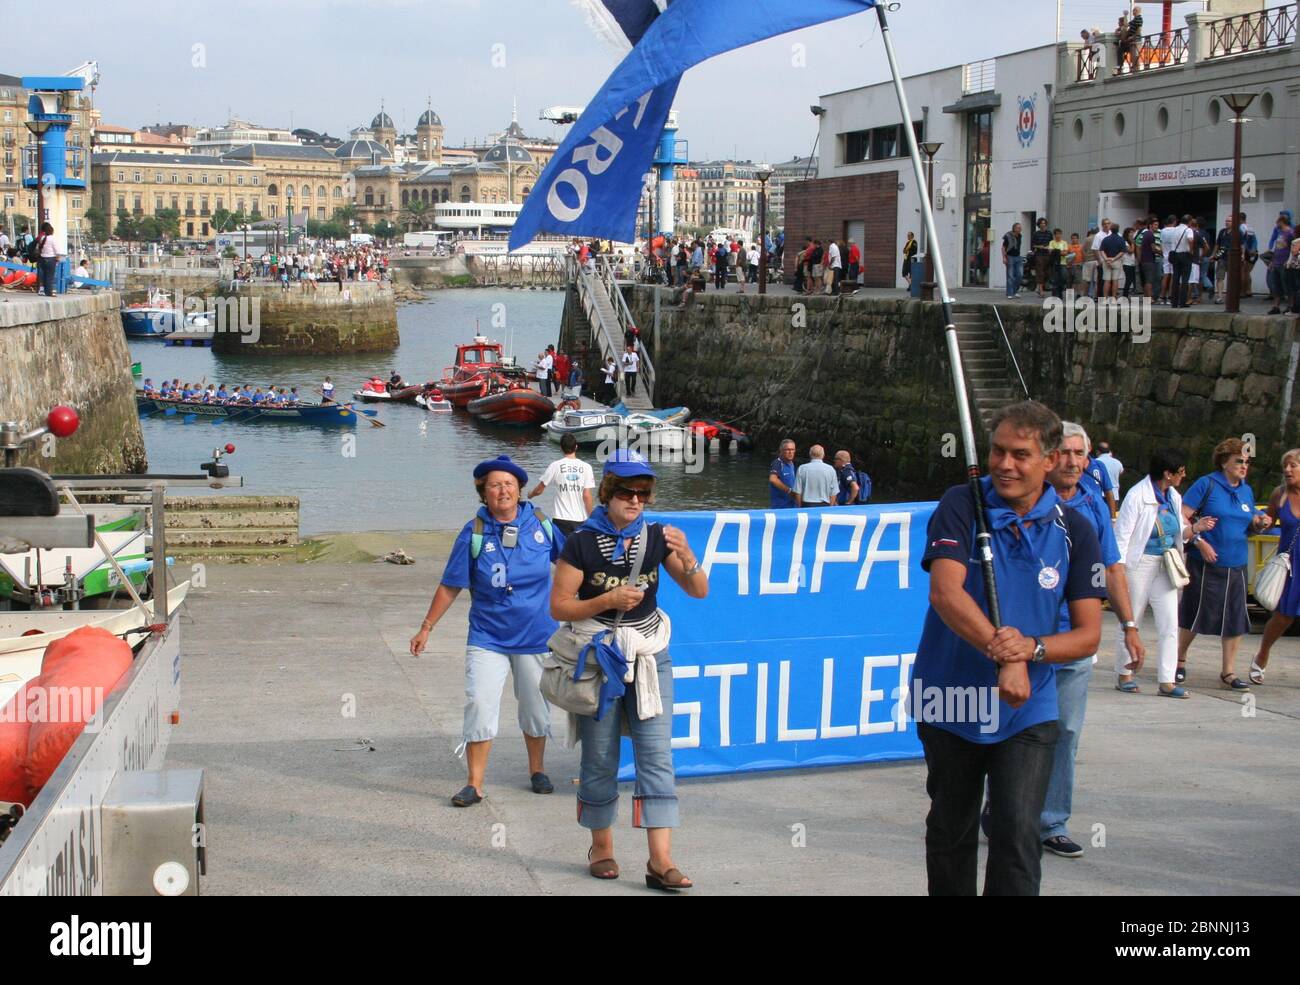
column 246, row 395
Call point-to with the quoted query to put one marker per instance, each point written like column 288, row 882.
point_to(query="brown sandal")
column 602, row 868
column 673, row 879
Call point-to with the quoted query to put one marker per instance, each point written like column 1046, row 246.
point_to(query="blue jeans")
column 654, row 800
column 1015, row 274
column 1072, row 701
column 1017, row 769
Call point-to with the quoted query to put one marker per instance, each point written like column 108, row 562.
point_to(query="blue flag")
column 592, row 185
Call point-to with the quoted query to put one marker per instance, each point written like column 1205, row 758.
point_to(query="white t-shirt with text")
column 568, row 477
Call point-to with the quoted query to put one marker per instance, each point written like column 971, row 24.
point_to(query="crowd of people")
column 816, row 482
column 1180, row 262
column 829, row 268
column 307, row 268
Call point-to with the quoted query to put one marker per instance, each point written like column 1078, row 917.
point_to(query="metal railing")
column 587, row 289
column 1155, row 51
column 1010, row 351
column 978, row 76
column 625, row 319
column 1258, row 31
column 1086, row 61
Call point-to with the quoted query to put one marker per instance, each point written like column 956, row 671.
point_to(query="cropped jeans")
column 1072, row 701
column 654, row 798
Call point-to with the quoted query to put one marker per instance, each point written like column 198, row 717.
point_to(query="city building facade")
column 17, row 203
column 728, row 194
column 1148, row 131
column 194, row 185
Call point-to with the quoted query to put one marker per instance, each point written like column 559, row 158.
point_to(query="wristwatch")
column 694, row 568
column 1040, row 651
column 1127, row 625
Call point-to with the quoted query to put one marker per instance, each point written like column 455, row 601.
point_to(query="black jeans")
column 629, row 384
column 1182, row 266
column 1018, row 769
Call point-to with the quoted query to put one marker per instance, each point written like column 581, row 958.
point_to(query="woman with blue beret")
column 504, row 557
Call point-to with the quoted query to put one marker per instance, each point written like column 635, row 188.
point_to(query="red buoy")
column 230, row 449
column 62, row 421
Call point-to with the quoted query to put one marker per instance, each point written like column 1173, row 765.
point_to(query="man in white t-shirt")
column 630, row 363
column 831, row 268
column 573, row 480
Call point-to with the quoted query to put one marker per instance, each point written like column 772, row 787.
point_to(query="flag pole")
column 983, row 538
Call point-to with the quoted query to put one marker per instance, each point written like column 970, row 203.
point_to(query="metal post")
column 158, row 577
column 1233, row 303
column 927, row 284
column 983, row 538
column 762, row 234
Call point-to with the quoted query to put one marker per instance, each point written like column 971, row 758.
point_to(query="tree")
column 415, row 214
column 127, row 229
column 99, row 224
column 148, row 228
column 345, row 213
column 223, row 221
column 383, row 229
column 169, row 222
column 327, row 229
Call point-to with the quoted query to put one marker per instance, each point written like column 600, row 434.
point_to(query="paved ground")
column 1193, row 797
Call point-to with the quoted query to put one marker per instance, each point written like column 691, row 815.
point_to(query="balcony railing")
column 1086, row 60
column 1264, row 29
column 1154, row 51
column 74, row 163
column 978, row 76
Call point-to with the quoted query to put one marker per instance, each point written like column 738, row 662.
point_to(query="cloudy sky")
column 327, row 64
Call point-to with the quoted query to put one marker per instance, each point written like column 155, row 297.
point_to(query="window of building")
column 135, row 176
column 203, row 205
column 189, row 204
column 274, row 210
column 76, row 203
column 320, row 191
column 157, row 203
column 306, row 191
column 239, row 179
column 257, row 205
column 979, row 152
column 221, row 179
column 176, row 178
column 370, row 195
column 320, row 212
column 257, row 179
column 189, row 177
column 121, row 202
column 121, row 176
column 176, row 202
column 338, row 191
column 203, row 179
column 157, row 177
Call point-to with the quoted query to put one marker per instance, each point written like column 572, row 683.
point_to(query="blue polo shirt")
column 510, row 589
column 784, row 471
column 1040, row 560
column 1233, row 506
column 1100, row 475
column 1089, row 502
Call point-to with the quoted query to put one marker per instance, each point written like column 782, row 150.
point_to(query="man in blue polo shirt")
column 1076, row 491
column 1099, row 474
column 781, row 477
column 1043, row 555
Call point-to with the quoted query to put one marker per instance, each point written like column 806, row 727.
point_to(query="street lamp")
column 929, row 148
column 288, row 217
column 1238, row 102
column 38, row 128
column 763, row 174
column 245, row 228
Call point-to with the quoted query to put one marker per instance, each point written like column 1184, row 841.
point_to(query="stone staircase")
column 605, row 322
column 991, row 380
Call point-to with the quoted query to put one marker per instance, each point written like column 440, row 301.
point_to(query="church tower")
column 385, row 132
column 428, row 136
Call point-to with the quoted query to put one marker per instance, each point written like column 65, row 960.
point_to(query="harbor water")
column 413, row 473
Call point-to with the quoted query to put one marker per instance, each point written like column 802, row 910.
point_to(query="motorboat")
column 512, row 403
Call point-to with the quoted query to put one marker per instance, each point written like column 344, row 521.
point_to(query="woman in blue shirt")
column 503, row 556
column 1283, row 509
column 1214, row 603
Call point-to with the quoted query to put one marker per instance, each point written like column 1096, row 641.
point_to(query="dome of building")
column 508, row 152
column 382, row 120
column 429, row 119
column 364, row 150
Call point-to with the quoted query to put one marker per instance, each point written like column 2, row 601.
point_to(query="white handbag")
column 1175, row 563
column 1270, row 580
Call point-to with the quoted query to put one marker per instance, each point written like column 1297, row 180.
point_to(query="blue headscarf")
column 600, row 522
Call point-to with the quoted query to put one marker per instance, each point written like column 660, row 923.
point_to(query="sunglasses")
column 627, row 494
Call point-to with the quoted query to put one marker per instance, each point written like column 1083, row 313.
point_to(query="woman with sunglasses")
column 1214, row 602
column 589, row 592
column 1151, row 523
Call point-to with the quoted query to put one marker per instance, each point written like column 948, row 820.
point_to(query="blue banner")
column 592, row 185
column 801, row 653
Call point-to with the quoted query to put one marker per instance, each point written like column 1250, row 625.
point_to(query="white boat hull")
column 20, row 656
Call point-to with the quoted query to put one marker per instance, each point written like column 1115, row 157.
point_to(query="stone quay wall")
column 360, row 318
column 71, row 350
column 872, row 375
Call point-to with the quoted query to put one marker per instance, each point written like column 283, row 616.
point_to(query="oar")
column 189, row 418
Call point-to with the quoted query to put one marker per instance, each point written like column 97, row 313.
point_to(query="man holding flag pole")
column 592, row 187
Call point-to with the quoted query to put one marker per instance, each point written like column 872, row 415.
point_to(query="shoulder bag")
column 1270, row 580
column 1175, row 563
column 571, row 675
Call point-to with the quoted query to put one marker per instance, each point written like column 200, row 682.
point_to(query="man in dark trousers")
column 985, row 699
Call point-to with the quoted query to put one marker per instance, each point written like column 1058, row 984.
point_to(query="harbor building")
column 1148, row 131
column 991, row 170
column 304, row 181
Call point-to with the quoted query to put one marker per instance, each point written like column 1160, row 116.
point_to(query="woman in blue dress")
column 1214, row 602
column 1284, row 509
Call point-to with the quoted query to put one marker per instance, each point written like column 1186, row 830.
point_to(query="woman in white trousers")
column 1149, row 523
